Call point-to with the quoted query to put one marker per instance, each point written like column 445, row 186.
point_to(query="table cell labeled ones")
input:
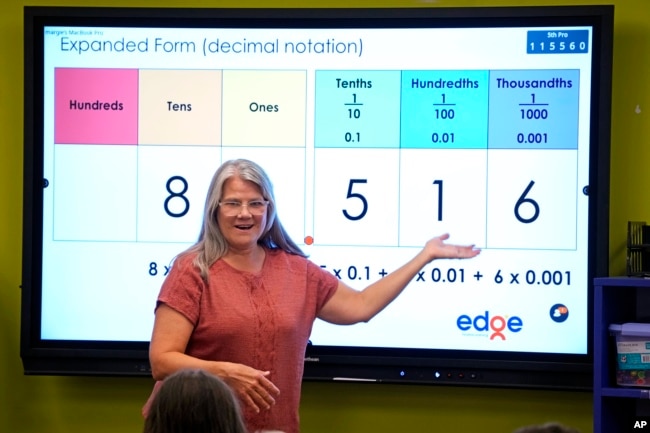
column 264, row 108
column 285, row 166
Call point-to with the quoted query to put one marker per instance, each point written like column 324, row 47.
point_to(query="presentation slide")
column 375, row 140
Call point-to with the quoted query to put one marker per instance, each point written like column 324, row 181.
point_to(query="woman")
column 241, row 302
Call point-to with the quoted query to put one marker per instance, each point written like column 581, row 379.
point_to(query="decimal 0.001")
column 545, row 277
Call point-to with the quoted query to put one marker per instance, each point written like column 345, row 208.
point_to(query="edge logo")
column 485, row 323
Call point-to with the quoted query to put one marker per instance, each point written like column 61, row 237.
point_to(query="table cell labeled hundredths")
column 531, row 206
column 357, row 109
column 96, row 106
column 264, row 108
column 172, row 185
column 444, row 109
column 534, row 109
column 94, row 193
column 356, row 197
column 180, row 107
column 442, row 191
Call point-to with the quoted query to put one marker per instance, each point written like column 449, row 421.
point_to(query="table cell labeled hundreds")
column 357, row 109
column 442, row 191
column 532, row 199
column 88, row 110
column 286, row 169
column 94, row 193
column 172, row 185
column 356, row 196
column 438, row 106
column 180, row 107
column 534, row 109
column 264, row 108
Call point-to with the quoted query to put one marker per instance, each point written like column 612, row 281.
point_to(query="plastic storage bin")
column 632, row 353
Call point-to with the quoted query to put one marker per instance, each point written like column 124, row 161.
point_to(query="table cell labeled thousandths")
column 180, row 107
column 357, row 109
column 532, row 198
column 444, row 109
column 534, row 109
column 95, row 106
column 356, row 196
column 442, row 191
column 264, row 108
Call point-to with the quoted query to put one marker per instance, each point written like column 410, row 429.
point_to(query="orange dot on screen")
column 309, row 240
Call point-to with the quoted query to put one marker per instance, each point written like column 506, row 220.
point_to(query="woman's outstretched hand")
column 436, row 248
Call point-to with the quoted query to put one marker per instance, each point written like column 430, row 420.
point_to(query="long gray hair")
column 212, row 245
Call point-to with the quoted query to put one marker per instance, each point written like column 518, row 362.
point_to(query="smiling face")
column 243, row 230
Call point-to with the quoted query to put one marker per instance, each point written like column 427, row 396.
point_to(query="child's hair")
column 549, row 427
column 193, row 400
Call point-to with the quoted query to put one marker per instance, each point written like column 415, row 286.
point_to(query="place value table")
column 369, row 157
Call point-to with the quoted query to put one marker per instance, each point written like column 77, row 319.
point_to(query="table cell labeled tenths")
column 357, row 109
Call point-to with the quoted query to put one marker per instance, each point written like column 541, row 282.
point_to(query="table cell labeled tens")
column 180, row 107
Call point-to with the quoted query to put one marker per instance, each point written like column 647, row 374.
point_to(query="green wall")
column 37, row 404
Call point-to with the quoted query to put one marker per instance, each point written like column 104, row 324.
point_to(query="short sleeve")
column 325, row 283
column 183, row 288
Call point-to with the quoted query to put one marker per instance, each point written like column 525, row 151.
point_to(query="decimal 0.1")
column 355, row 273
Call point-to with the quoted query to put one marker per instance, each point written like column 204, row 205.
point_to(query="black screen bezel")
column 509, row 369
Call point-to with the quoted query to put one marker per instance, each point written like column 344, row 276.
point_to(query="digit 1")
column 439, row 183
